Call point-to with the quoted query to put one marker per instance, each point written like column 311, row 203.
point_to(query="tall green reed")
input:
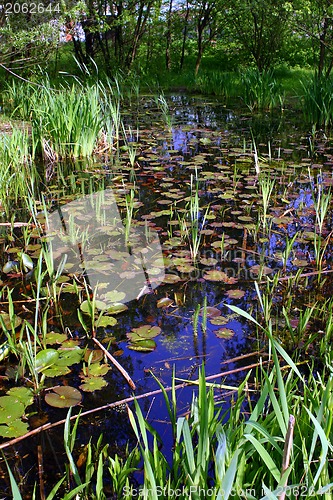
column 259, row 90
column 317, row 101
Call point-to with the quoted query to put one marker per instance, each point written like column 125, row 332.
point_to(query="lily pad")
column 97, row 370
column 55, row 338
column 114, row 296
column 144, row 345
column 16, row 429
column 16, row 320
column 105, row 321
column 45, row 359
column 93, row 355
column 117, row 308
column 224, row 333
column 23, row 394
column 235, row 294
column 56, row 371
column 11, row 408
column 147, row 331
column 211, row 312
column 165, row 302
column 92, row 384
column 63, row 397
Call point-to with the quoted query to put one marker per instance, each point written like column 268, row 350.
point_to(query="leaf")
column 45, row 359
column 147, row 331
column 55, row 338
column 16, row 320
column 211, row 312
column 145, row 345
column 23, row 394
column 11, row 408
column 56, row 371
column 97, row 370
column 224, row 333
column 114, row 296
column 165, row 302
column 15, row 429
column 235, row 294
column 91, row 384
column 117, row 308
column 63, row 397
column 105, row 321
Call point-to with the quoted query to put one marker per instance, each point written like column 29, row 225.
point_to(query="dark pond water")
column 192, row 196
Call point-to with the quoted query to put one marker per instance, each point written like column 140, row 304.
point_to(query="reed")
column 317, row 101
column 259, row 90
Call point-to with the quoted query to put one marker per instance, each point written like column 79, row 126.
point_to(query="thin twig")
column 288, row 445
column 116, row 364
column 115, row 404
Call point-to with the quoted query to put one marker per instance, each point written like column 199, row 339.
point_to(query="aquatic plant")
column 217, row 83
column 317, row 101
column 163, row 106
column 266, row 186
column 260, row 90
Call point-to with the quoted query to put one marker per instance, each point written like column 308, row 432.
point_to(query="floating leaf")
column 91, row 384
column 16, row 320
column 215, row 275
column 171, row 278
column 117, row 308
column 26, row 261
column 235, row 294
column 12, row 266
column 55, row 338
column 93, row 355
column 11, row 408
column 97, row 370
column 144, row 345
column 68, row 357
column 15, row 429
column 257, row 269
column 45, row 359
column 86, row 307
column 105, row 321
column 224, row 333
column 23, row 394
column 63, row 397
column 56, row 371
column 114, row 296
column 165, row 302
column 147, row 331
column 211, row 312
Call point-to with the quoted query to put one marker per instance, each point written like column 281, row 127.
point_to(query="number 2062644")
column 30, row 8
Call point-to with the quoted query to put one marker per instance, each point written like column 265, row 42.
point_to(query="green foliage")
column 317, row 101
column 217, row 83
column 260, row 90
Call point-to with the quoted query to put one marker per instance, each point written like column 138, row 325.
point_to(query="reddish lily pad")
column 235, row 294
column 224, row 333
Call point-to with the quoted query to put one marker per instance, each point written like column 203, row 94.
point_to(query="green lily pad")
column 56, row 371
column 215, row 275
column 63, row 397
column 68, row 357
column 144, row 345
column 117, row 308
column 114, row 296
column 45, row 359
column 23, row 394
column 11, row 408
column 55, row 338
column 85, row 307
column 97, row 370
column 105, row 321
column 92, row 384
column 147, row 331
column 16, row 429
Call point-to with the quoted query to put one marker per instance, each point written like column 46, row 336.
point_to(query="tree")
column 314, row 19
column 260, row 26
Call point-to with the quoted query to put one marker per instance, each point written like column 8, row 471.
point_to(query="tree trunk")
column 322, row 48
column 184, row 35
column 168, row 39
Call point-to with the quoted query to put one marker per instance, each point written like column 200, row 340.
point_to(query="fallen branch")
column 130, row 399
column 116, row 364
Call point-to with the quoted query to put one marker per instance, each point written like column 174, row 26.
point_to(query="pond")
column 143, row 251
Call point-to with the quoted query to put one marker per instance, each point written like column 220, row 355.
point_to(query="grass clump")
column 259, row 90
column 317, row 101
